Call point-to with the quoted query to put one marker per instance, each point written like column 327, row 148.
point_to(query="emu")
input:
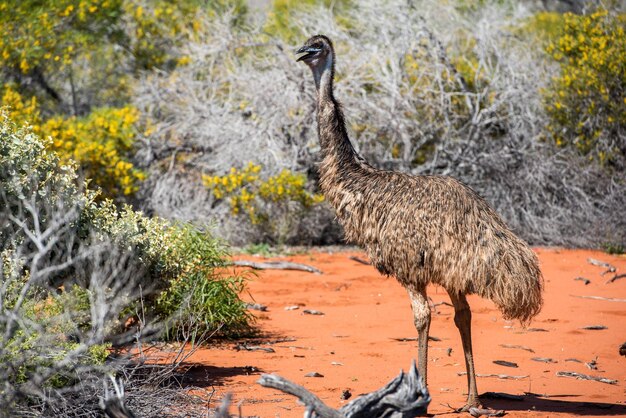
column 421, row 229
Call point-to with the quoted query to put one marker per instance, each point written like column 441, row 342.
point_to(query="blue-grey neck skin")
column 323, row 76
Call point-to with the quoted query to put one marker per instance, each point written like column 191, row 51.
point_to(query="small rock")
column 292, row 308
column 336, row 363
column 345, row 395
column 314, row 374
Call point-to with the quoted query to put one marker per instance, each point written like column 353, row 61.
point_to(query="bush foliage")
column 587, row 101
column 153, row 98
column 78, row 275
column 273, row 205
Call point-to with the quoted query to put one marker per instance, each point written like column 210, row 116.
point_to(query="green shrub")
column 75, row 270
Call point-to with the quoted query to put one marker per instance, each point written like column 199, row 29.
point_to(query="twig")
column 275, row 265
column 499, row 376
column 521, row 347
column 610, row 268
column 595, row 327
column 360, row 260
column 312, row 402
column 599, row 298
column 254, row 348
column 505, row 363
column 312, row 312
column 614, row 278
column 582, row 376
column 584, row 280
column 543, row 359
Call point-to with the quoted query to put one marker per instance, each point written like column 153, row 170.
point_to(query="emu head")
column 319, row 56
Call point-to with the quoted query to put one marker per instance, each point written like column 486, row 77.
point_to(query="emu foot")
column 475, row 409
column 472, row 403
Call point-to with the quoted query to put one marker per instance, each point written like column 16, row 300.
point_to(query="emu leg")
column 421, row 318
column 463, row 321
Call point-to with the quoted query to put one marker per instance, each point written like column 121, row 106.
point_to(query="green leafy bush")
column 79, row 275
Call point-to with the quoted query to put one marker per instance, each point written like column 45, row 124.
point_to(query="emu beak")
column 307, row 51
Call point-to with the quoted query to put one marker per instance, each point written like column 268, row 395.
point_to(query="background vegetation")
column 129, row 126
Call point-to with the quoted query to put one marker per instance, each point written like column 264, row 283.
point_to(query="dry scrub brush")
column 80, row 279
column 427, row 87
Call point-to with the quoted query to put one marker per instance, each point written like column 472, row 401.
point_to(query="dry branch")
column 405, row 396
column 616, row 277
column 360, row 260
column 599, row 298
column 582, row 376
column 610, row 268
column 499, row 376
column 595, row 327
column 275, row 265
column 543, row 359
column 584, row 280
column 245, row 347
column 521, row 347
column 505, row 363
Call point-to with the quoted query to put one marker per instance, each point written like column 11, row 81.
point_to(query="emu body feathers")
column 421, row 229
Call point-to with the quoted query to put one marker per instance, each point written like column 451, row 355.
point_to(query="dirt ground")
column 356, row 344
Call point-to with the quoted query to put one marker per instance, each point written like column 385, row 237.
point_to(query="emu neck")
column 337, row 150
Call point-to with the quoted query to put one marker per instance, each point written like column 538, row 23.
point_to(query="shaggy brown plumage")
column 421, row 229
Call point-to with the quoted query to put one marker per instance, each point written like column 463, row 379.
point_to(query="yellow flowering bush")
column 50, row 33
column 273, row 203
column 100, row 143
column 587, row 101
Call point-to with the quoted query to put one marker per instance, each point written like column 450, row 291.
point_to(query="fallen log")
column 275, row 265
column 405, row 396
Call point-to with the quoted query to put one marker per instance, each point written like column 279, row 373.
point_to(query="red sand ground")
column 353, row 344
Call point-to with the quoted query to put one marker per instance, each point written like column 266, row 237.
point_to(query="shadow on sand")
column 538, row 403
column 198, row 375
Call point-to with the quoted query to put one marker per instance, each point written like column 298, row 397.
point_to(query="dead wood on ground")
column 275, row 265
column 582, row 376
column 405, row 396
